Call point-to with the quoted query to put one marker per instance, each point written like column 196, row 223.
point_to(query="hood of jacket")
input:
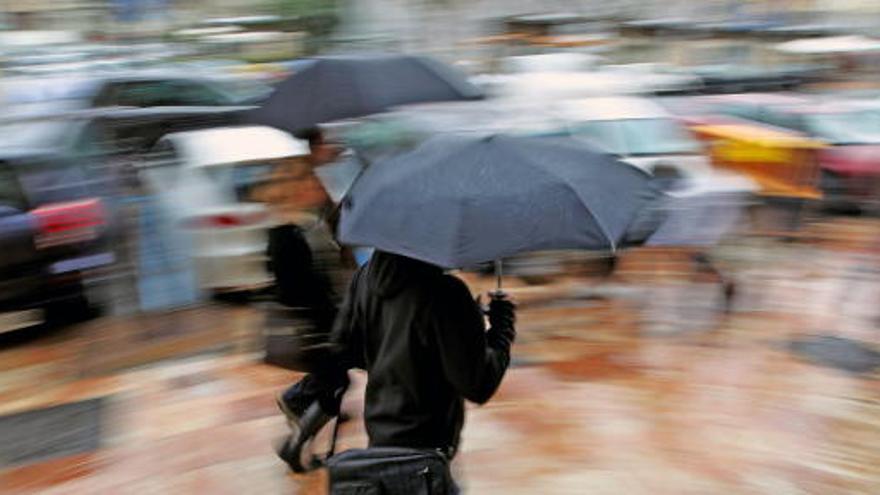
column 389, row 273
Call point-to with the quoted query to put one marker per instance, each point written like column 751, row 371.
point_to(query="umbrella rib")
column 428, row 66
column 356, row 87
column 481, row 148
column 311, row 110
column 611, row 242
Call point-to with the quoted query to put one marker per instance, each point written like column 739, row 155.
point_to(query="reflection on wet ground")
column 632, row 384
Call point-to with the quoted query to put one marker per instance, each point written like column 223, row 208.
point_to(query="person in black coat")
column 422, row 339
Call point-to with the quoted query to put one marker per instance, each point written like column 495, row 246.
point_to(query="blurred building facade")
column 52, row 14
column 440, row 25
column 424, row 25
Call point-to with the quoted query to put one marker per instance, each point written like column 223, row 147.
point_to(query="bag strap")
column 333, row 438
column 318, row 461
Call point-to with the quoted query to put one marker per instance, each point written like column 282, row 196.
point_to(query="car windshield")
column 632, row 137
column 846, row 127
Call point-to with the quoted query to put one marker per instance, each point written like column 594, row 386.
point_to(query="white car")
column 557, row 82
column 643, row 134
column 638, row 131
column 199, row 183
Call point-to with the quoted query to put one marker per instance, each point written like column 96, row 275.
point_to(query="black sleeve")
column 473, row 360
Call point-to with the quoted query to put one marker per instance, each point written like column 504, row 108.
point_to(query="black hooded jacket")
column 422, row 340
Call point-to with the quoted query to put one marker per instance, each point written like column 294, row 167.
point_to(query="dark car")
column 61, row 177
column 54, row 228
column 137, row 89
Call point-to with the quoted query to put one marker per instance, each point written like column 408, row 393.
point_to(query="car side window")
column 159, row 93
column 127, row 94
column 194, row 93
column 140, row 94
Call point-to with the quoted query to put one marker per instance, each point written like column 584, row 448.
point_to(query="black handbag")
column 390, row 471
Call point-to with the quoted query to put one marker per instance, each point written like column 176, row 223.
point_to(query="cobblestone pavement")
column 637, row 383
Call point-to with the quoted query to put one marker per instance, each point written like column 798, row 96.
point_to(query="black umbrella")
column 342, row 87
column 457, row 201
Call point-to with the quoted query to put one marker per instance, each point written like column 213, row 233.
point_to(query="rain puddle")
column 50, row 432
column 836, row 352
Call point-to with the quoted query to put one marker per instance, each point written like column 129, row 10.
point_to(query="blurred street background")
column 733, row 349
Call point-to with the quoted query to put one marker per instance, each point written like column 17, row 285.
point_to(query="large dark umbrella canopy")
column 342, row 87
column 457, row 200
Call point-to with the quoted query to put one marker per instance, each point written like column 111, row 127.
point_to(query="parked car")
column 202, row 179
column 60, row 176
column 640, row 132
column 55, row 229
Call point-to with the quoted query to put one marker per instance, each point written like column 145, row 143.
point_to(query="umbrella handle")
column 499, row 272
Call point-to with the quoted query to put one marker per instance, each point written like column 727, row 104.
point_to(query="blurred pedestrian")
column 422, row 340
column 308, row 265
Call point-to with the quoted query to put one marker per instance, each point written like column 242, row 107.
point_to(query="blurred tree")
column 298, row 8
column 317, row 18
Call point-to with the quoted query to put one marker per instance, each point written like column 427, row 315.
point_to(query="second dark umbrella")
column 342, row 87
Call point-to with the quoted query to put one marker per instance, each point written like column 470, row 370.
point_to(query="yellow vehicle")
column 780, row 163
column 783, row 163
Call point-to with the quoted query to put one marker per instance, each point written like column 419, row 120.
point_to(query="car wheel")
column 74, row 307
column 834, row 192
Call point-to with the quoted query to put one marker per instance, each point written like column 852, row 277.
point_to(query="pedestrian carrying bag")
column 390, row 471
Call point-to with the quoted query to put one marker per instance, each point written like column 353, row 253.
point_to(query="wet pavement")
column 637, row 383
